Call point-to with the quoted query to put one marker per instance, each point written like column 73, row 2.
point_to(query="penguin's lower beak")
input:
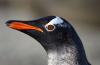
column 19, row 25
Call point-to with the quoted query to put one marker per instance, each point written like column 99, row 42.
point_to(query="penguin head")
column 47, row 30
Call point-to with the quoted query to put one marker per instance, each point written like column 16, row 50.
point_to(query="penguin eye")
column 50, row 27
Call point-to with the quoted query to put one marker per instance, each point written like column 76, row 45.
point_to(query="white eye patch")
column 56, row 20
column 51, row 25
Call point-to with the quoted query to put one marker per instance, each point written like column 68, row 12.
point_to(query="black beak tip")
column 9, row 22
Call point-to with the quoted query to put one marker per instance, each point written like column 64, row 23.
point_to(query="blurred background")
column 17, row 48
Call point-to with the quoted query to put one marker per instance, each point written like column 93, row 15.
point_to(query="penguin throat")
column 64, row 55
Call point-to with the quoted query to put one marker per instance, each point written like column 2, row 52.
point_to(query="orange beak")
column 23, row 26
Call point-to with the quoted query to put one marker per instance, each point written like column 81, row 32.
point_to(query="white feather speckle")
column 67, row 56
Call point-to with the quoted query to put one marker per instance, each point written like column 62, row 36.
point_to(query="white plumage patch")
column 56, row 20
column 66, row 56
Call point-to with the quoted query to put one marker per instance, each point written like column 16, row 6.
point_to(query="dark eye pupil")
column 50, row 27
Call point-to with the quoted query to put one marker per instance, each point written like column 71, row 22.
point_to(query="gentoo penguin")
column 58, row 38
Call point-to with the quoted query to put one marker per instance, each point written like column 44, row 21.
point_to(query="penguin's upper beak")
column 19, row 25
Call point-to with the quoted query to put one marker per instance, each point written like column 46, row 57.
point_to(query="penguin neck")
column 63, row 55
column 70, row 52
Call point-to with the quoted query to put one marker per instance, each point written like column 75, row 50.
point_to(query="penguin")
column 57, row 36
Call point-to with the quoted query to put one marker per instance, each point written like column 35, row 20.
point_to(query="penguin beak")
column 22, row 26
